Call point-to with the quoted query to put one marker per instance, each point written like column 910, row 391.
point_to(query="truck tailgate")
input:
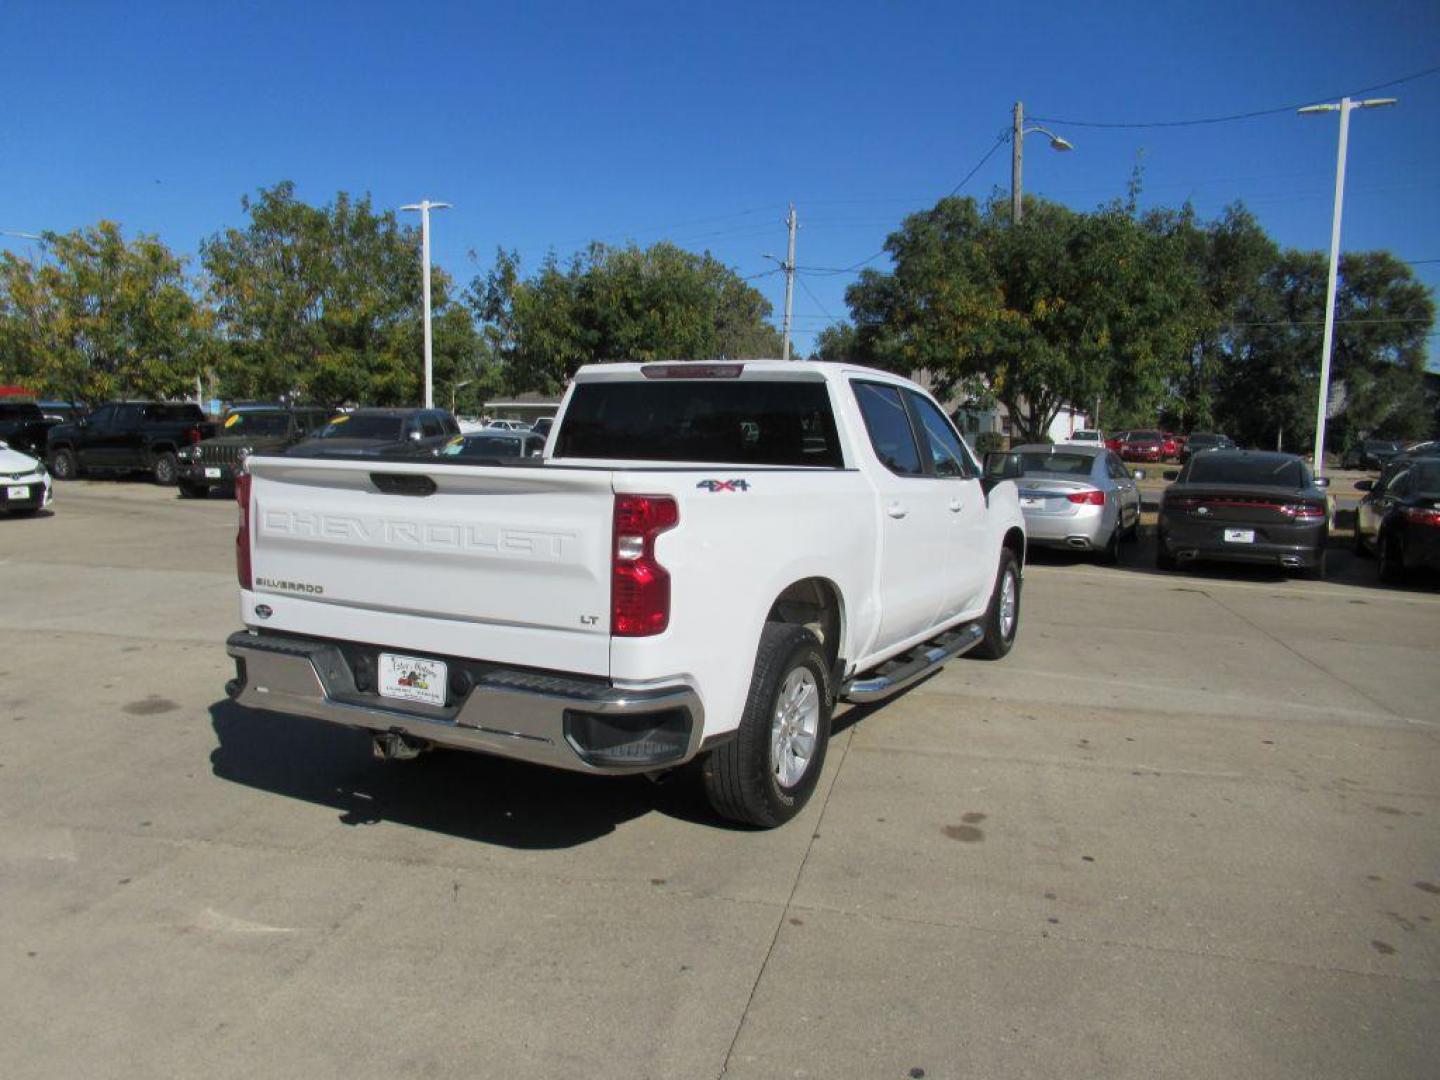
column 487, row 562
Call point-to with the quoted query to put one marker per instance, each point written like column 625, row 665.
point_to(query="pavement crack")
column 789, row 902
column 1302, row 657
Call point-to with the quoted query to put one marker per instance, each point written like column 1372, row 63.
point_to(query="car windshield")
column 1381, row 444
column 1066, row 464
column 361, row 426
column 483, row 446
column 1265, row 472
column 1086, row 436
column 1144, row 436
column 256, row 423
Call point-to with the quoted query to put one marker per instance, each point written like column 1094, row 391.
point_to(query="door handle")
column 895, row 510
column 956, row 506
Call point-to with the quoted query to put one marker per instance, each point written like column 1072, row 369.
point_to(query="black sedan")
column 1371, row 454
column 1205, row 440
column 1399, row 518
column 1244, row 506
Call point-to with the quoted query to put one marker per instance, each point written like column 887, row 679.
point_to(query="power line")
column 1253, row 114
column 812, row 296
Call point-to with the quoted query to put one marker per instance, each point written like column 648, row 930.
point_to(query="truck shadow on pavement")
column 471, row 796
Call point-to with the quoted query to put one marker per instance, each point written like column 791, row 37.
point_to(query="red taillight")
column 193, row 436
column 1087, row 498
column 1304, row 511
column 242, row 534
column 640, row 586
column 1419, row 515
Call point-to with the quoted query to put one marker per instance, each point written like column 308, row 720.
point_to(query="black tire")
column 165, row 469
column 63, row 465
column 1316, row 572
column 1359, row 540
column 1110, row 553
column 1390, row 558
column 740, row 776
column 192, row 491
column 1163, row 559
column 997, row 643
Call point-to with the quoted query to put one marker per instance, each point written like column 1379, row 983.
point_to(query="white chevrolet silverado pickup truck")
column 707, row 557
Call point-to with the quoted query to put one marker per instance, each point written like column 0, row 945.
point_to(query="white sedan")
column 24, row 483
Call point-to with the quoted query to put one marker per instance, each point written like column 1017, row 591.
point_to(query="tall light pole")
column 1344, row 107
column 425, row 206
column 1017, row 156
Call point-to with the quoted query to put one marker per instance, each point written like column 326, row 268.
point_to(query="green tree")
column 1065, row 308
column 617, row 304
column 326, row 302
column 99, row 317
column 837, row 342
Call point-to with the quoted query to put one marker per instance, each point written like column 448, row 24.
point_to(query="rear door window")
column 888, row 424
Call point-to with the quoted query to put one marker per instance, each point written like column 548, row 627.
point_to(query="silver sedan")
column 1077, row 497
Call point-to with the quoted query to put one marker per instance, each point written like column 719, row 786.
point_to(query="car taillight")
column 192, row 436
column 1304, row 511
column 1087, row 498
column 1181, row 502
column 640, row 586
column 242, row 534
column 1420, row 515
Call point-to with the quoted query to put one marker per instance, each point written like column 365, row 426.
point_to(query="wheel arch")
column 815, row 602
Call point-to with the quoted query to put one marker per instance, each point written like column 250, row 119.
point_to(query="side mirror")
column 1002, row 465
column 1139, row 474
column 1171, row 474
column 1364, row 485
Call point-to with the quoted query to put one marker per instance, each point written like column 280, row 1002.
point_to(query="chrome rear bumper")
column 586, row 726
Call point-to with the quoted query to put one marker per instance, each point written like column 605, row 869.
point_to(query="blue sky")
column 549, row 124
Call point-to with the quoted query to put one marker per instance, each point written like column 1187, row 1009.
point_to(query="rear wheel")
column 1359, row 540
column 1316, row 572
column 63, row 466
column 1163, row 559
column 1110, row 553
column 765, row 774
column 1390, row 557
column 192, row 491
column 1002, row 617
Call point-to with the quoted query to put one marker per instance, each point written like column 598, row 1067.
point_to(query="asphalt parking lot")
column 1191, row 827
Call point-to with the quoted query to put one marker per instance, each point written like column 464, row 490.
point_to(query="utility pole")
column 1017, row 156
column 1344, row 107
column 788, row 265
column 425, row 206
column 790, row 222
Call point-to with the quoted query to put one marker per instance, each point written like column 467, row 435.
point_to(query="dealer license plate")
column 17, row 491
column 212, row 473
column 1239, row 536
column 409, row 678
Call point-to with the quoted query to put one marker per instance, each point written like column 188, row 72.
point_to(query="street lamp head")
column 1375, row 103
column 1058, row 143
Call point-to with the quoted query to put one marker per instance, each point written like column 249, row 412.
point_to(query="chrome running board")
column 895, row 675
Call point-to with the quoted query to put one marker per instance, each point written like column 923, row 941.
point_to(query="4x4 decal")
column 713, row 486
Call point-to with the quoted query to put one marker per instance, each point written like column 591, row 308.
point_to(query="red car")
column 1171, row 444
column 1143, row 446
column 1114, row 442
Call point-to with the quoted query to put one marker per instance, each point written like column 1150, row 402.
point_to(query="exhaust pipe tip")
column 1079, row 543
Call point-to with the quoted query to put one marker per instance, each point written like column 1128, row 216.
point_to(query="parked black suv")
column 1371, row 454
column 246, row 430
column 23, row 427
column 127, row 436
column 378, row 432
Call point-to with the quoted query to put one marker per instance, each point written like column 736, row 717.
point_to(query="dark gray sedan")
column 1244, row 506
column 1081, row 498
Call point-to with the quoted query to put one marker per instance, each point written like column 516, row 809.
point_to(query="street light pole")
column 1017, row 157
column 788, row 265
column 1344, row 107
column 425, row 206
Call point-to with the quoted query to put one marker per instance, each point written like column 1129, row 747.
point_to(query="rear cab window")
column 780, row 422
column 949, row 458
